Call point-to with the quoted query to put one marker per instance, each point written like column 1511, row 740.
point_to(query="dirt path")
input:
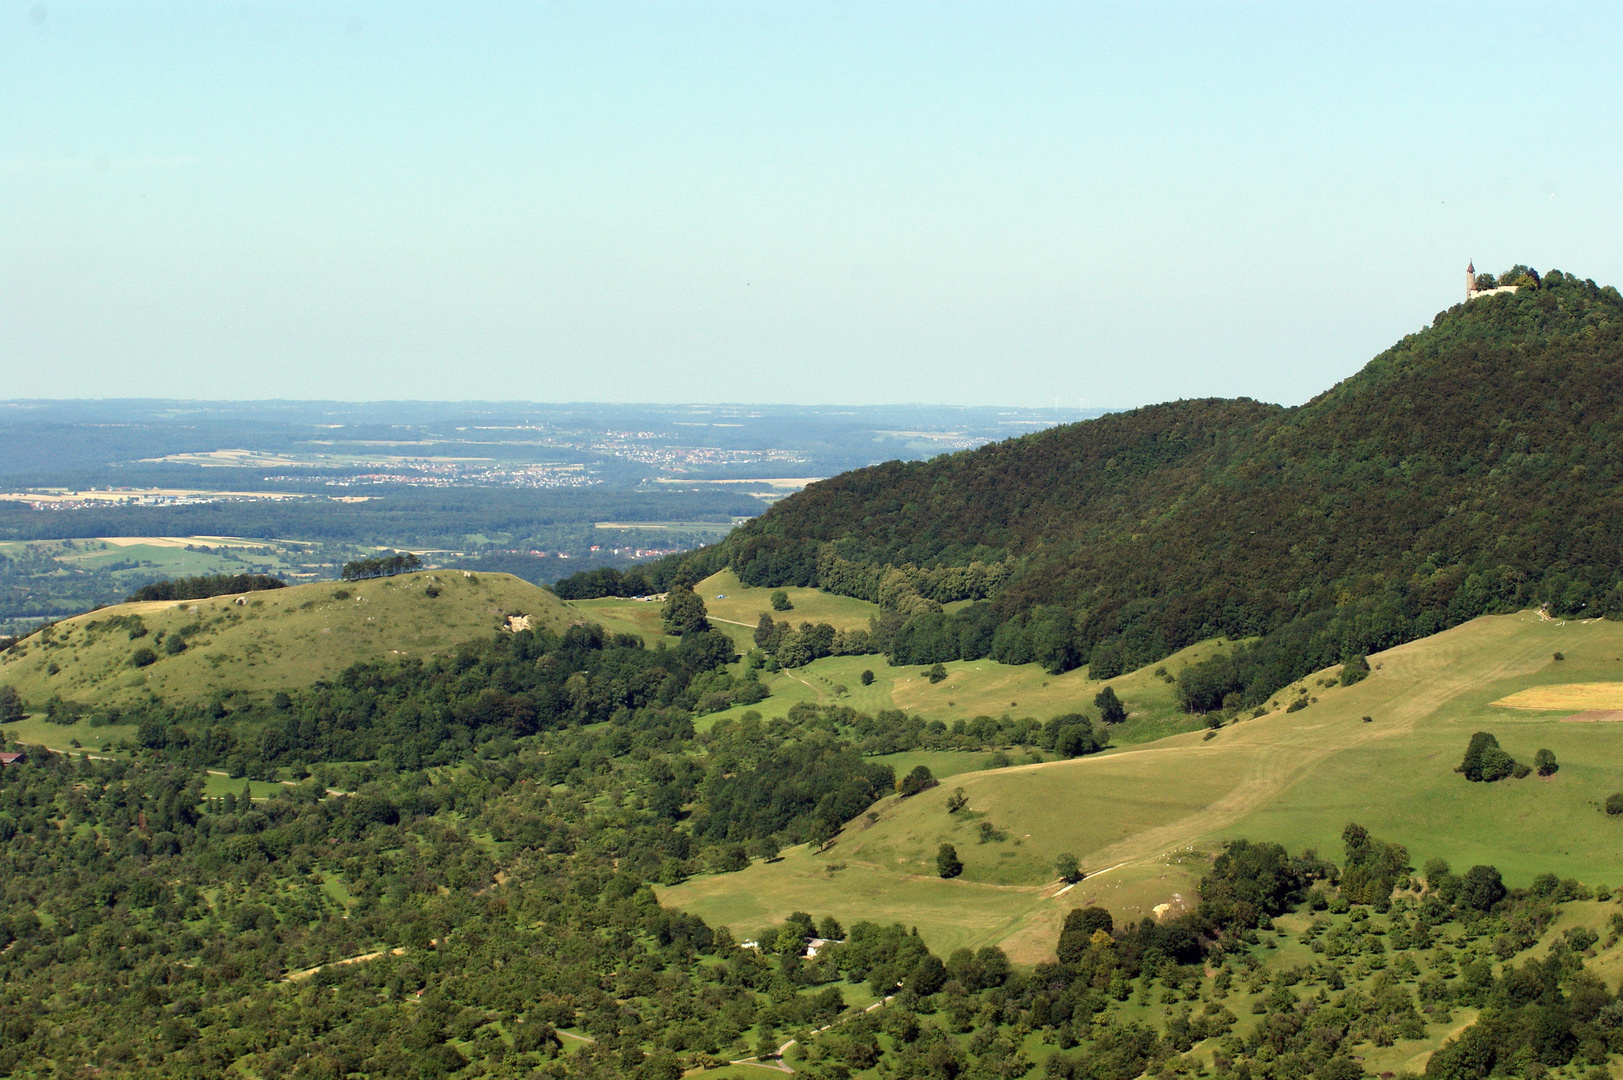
column 297, row 976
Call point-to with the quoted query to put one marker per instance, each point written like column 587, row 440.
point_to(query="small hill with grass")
column 268, row 640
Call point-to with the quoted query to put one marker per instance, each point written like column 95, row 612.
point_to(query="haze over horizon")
column 831, row 204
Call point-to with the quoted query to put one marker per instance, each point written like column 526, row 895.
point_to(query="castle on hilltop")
column 1471, row 290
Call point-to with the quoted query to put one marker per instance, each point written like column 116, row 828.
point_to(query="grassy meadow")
column 1134, row 816
column 271, row 639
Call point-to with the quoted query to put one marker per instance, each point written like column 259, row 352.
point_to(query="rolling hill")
column 265, row 641
column 1142, row 819
column 1471, row 469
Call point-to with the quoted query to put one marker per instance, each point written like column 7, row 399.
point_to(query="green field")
column 272, row 639
column 1134, row 815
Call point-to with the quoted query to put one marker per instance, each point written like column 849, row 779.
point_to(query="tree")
column 1484, row 760
column 1080, row 927
column 947, row 864
column 920, row 779
column 143, row 657
column 764, row 629
column 1356, row 669
column 684, row 611
column 1481, row 889
column 958, row 800
column 1614, row 803
column 1111, row 710
column 936, row 673
column 867, row 677
column 1067, row 869
column 11, row 705
column 1544, row 762
column 780, row 601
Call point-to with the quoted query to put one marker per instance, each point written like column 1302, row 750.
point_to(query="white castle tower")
column 1473, row 293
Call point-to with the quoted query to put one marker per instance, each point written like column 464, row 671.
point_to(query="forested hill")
column 1471, row 468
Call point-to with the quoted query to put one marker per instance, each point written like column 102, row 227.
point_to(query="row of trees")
column 381, row 566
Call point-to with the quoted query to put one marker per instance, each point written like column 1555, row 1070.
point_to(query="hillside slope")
column 1293, row 777
column 266, row 640
column 1472, row 468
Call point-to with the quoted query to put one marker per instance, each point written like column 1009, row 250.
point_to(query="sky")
column 1082, row 204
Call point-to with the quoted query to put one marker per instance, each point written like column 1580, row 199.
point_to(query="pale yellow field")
column 1567, row 697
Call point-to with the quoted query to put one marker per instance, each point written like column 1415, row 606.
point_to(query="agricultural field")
column 268, row 640
column 1134, row 816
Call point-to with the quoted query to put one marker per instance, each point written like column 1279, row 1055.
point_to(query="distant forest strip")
column 415, row 517
column 1474, row 468
column 204, row 586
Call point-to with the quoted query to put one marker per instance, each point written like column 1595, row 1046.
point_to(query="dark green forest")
column 1472, row 468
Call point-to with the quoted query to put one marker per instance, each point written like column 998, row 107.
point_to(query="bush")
column 1356, row 669
column 143, row 657
column 174, row 645
column 867, row 677
column 935, row 673
column 947, row 863
column 920, row 779
column 1544, row 762
column 1485, row 761
column 780, row 601
column 1614, row 804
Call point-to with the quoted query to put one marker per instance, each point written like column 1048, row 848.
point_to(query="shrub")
column 1356, row 669
column 920, row 779
column 780, row 601
column 1544, row 762
column 1614, row 803
column 935, row 673
column 1067, row 868
column 143, row 657
column 867, row 677
column 174, row 645
column 947, row 863
column 1485, row 761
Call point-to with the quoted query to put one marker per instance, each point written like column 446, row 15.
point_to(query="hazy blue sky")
column 973, row 203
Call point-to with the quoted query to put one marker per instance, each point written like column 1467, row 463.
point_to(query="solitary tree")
column 1068, row 870
column 684, row 611
column 1544, row 762
column 780, row 601
column 1111, row 710
column 936, row 673
column 947, row 864
column 1614, row 804
column 957, row 800
column 11, row 705
column 867, row 677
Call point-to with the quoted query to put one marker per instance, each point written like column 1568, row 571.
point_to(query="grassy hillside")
column 1135, row 816
column 270, row 640
column 983, row 688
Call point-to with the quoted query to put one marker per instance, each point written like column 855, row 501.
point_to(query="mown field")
column 1135, row 815
column 273, row 639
